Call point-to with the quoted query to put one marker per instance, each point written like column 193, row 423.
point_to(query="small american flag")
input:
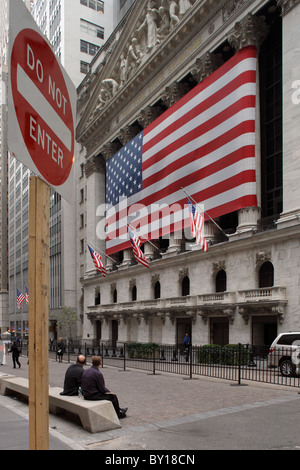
column 20, row 298
column 136, row 246
column 27, row 295
column 97, row 262
column 197, row 226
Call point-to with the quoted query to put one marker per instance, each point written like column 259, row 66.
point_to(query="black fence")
column 237, row 363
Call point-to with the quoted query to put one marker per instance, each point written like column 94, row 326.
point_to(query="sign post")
column 38, row 314
column 41, row 135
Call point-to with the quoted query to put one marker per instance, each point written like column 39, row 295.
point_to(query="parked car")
column 284, row 353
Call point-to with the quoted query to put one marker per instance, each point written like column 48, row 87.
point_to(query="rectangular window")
column 92, row 29
column 84, row 67
column 94, row 5
column 88, row 47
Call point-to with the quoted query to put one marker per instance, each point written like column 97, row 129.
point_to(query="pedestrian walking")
column 186, row 341
column 15, row 350
column 186, row 345
column 60, row 349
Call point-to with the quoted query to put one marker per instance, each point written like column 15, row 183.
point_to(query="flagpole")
column 218, row 226
column 130, row 226
column 98, row 249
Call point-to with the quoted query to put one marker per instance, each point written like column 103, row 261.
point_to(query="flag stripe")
column 203, row 113
column 244, row 60
column 170, row 193
column 165, row 169
column 225, row 202
column 204, row 143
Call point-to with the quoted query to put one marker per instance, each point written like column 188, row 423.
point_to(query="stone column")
column 248, row 218
column 127, row 258
column 122, row 329
column 144, row 330
column 105, row 331
column 175, row 243
column 205, row 66
column 290, row 12
column 95, row 183
column 150, row 250
column 168, row 328
column 251, row 31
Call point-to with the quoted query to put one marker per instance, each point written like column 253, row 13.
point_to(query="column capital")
column 94, row 165
column 173, row 93
column 206, row 65
column 250, row 31
column 110, row 149
column 148, row 115
column 127, row 134
column 286, row 5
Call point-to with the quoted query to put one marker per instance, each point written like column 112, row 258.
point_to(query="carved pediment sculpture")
column 132, row 44
column 149, row 26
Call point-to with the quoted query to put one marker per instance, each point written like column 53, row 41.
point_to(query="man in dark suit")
column 93, row 387
column 73, row 377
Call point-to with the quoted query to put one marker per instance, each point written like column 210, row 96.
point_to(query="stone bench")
column 95, row 416
column 10, row 385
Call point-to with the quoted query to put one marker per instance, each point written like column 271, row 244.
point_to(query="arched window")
column 221, row 281
column 157, row 290
column 134, row 293
column 115, row 296
column 266, row 275
column 185, row 285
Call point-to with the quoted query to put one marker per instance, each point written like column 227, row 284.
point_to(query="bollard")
column 174, row 358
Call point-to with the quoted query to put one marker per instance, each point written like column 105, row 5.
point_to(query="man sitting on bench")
column 73, row 377
column 93, row 387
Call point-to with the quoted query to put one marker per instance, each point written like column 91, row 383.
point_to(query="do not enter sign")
column 43, row 105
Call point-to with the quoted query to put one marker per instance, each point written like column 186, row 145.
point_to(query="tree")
column 65, row 319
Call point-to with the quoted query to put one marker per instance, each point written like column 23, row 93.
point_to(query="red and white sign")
column 41, row 127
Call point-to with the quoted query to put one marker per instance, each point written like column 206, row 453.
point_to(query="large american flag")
column 204, row 143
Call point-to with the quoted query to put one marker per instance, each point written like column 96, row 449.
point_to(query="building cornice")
column 94, row 127
column 250, row 241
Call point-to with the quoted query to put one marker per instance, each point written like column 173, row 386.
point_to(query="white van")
column 284, row 353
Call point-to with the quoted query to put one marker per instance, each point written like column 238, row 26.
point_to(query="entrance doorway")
column 98, row 330
column 219, row 331
column 264, row 330
column 114, row 333
column 183, row 326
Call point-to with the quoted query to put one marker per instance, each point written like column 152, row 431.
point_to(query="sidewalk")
column 155, row 403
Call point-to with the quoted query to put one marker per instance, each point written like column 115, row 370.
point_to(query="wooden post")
column 38, row 314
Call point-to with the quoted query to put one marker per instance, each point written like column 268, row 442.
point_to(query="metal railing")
column 236, row 363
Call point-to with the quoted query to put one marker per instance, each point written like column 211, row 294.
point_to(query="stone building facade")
column 246, row 287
